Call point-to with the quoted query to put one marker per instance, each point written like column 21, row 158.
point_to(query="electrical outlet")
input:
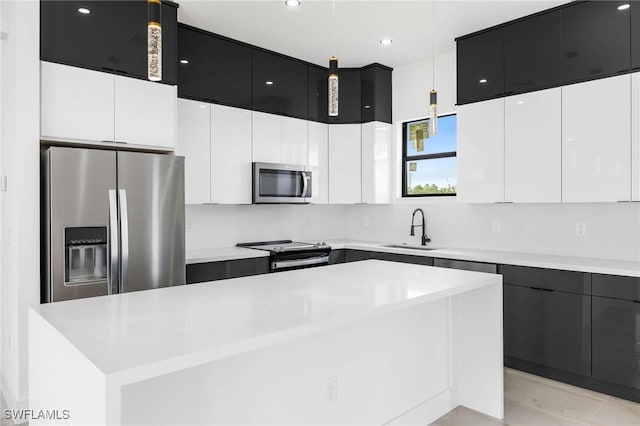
column 3, row 183
column 331, row 390
column 365, row 220
column 581, row 229
column 189, row 226
column 496, row 226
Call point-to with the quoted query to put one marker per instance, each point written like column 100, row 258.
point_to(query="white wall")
column 20, row 215
column 224, row 226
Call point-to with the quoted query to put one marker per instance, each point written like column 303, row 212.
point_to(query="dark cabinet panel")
column 194, row 75
column 566, row 331
column 616, row 341
column 480, row 67
column 214, row 271
column 635, row 34
column 230, row 65
column 349, row 95
column 616, row 286
column 533, row 53
column 357, row 255
column 595, row 40
column 112, row 37
column 317, row 94
column 294, row 88
column 337, row 256
column 522, row 323
column 376, row 94
column 267, row 83
column 549, row 279
column 246, row 267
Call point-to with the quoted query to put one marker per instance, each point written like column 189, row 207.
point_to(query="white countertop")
column 143, row 334
column 223, row 253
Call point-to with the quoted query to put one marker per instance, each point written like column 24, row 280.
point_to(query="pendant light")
column 154, row 40
column 333, row 74
column 433, row 95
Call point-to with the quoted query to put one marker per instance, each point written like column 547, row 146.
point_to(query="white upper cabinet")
column 145, row 112
column 193, row 143
column 294, row 141
column 95, row 107
column 596, row 140
column 376, row 163
column 318, row 137
column 230, row 155
column 481, row 152
column 345, row 179
column 532, row 149
column 267, row 137
column 76, row 103
column 635, row 137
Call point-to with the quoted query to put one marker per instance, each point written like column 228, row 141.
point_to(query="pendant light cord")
column 433, row 43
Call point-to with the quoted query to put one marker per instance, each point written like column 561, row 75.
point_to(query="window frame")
column 405, row 159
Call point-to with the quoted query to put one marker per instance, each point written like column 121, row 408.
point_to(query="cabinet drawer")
column 547, row 279
column 467, row 266
column 213, row 271
column 616, row 286
column 403, row 258
column 246, row 267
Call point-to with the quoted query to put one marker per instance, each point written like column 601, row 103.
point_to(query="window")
column 429, row 164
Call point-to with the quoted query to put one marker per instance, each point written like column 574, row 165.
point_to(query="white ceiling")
column 314, row 32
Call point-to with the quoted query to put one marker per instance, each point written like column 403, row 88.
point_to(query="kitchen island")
column 370, row 342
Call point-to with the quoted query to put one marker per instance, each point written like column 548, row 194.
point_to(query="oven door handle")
column 280, row 264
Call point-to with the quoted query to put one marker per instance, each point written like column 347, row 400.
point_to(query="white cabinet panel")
column 76, row 103
column 533, row 144
column 230, row 155
column 376, row 163
column 345, row 164
column 294, row 141
column 193, row 143
column 596, row 140
column 145, row 112
column 266, row 137
column 481, row 152
column 635, row 137
column 318, row 137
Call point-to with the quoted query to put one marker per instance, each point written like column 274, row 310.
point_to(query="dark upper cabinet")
column 376, row 93
column 111, row 38
column 317, row 93
column 616, row 341
column 267, row 83
column 595, row 40
column 533, row 53
column 480, row 66
column 193, row 76
column 635, row 34
column 349, row 97
column 522, row 317
column 230, row 73
column 294, row 88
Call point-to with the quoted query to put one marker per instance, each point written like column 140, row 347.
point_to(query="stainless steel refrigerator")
column 113, row 222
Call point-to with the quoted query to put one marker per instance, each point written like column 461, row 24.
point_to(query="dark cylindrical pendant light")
column 333, row 87
column 154, row 40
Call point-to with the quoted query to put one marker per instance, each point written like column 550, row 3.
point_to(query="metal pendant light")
column 433, row 95
column 333, row 87
column 154, row 40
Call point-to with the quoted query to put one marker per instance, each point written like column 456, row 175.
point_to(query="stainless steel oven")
column 281, row 183
column 285, row 255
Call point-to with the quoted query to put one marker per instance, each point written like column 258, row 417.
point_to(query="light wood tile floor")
column 535, row 401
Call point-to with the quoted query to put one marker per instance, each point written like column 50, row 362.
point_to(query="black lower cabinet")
column 356, row 255
column 214, row 271
column 522, row 316
column 337, row 256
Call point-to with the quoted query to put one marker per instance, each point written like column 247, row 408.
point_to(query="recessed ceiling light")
column 184, row 61
column 268, row 83
column 84, row 10
column 483, row 80
column 203, row 106
column 624, row 6
column 367, row 106
column 292, row 3
column 520, row 102
column 386, row 41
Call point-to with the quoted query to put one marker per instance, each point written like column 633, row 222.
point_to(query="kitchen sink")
column 406, row 246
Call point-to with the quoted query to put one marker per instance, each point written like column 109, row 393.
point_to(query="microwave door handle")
column 113, row 273
column 124, row 227
column 305, row 183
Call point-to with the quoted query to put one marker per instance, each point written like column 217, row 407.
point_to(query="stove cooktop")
column 284, row 246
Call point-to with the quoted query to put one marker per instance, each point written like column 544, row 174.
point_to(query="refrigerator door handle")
column 124, row 234
column 114, row 244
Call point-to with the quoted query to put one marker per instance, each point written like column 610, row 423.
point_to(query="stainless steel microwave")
column 281, row 183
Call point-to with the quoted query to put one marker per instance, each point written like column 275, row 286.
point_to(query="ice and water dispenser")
column 85, row 255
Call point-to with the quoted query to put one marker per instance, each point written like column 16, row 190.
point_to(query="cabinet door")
column 635, row 135
column 566, row 331
column 318, row 92
column 145, row 112
column 349, row 97
column 523, row 323
column 318, row 152
column 193, row 143
column 376, row 163
column 345, row 164
column 76, row 103
column 267, row 83
column 533, row 53
column 533, row 147
column 357, row 255
column 595, row 40
column 480, row 67
column 230, row 155
column 596, row 140
column 194, row 76
column 294, row 88
column 169, row 44
column 294, row 141
column 616, row 341
column 481, row 152
column 266, row 130
column 635, row 35
column 230, row 73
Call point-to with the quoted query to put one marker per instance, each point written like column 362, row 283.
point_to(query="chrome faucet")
column 425, row 238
